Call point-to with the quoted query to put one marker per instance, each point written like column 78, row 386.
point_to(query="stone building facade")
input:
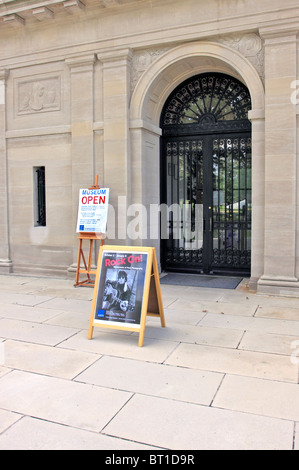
column 131, row 90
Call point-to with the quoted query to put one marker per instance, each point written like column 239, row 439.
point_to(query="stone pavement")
column 223, row 374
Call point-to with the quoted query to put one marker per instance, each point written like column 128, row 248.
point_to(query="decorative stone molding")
column 115, row 55
column 42, row 13
column 142, row 60
column 72, row 6
column 82, row 63
column 18, row 14
column 188, row 59
column 279, row 29
column 109, row 3
column 256, row 114
column 14, row 20
column 5, row 266
column 36, row 96
column 82, row 60
column 4, row 73
column 251, row 46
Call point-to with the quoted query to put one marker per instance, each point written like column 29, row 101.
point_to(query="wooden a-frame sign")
column 127, row 290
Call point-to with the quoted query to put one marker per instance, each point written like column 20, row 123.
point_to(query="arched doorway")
column 206, row 176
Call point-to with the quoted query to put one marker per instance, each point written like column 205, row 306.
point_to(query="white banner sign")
column 93, row 210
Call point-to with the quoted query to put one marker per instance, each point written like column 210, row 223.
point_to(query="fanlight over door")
column 206, row 176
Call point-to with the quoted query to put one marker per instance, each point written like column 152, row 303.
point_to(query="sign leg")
column 90, row 331
column 141, row 338
column 78, row 262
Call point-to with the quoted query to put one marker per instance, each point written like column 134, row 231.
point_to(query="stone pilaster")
column 280, row 164
column 257, row 118
column 116, row 144
column 5, row 261
column 82, row 123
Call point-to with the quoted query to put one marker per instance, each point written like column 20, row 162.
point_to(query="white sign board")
column 93, row 210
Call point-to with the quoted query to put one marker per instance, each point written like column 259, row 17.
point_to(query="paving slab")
column 266, row 300
column 14, row 280
column 177, row 425
column 34, row 332
column 22, row 299
column 296, row 442
column 183, row 316
column 195, row 334
column 282, row 313
column 273, row 326
column 2, row 352
column 231, row 308
column 168, row 301
column 68, row 304
column 24, row 312
column 71, row 319
column 62, row 401
column 185, row 304
column 193, row 294
column 4, row 370
column 146, row 378
column 46, row 360
column 241, row 296
column 35, row 434
column 7, row 419
column 232, row 361
column 260, row 397
column 121, row 344
column 13, row 284
column 270, row 343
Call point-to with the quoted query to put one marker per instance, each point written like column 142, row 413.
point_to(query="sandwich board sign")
column 93, row 210
column 127, row 289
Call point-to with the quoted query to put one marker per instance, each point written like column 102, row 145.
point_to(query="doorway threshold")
column 200, row 280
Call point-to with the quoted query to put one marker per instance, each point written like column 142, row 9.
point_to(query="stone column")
column 82, row 123
column 280, row 164
column 5, row 261
column 116, row 96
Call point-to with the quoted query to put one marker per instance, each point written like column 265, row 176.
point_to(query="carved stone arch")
column 149, row 96
column 180, row 63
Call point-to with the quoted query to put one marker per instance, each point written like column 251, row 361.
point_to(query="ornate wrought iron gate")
column 206, row 176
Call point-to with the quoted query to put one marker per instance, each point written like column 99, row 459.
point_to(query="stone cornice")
column 22, row 12
column 18, row 13
column 280, row 29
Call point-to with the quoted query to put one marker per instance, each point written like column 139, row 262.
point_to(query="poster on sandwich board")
column 127, row 289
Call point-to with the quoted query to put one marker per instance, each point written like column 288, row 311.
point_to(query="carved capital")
column 81, row 61
column 123, row 54
column 4, row 73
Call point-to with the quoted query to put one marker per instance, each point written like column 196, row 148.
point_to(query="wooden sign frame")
column 92, row 200
column 143, row 290
column 91, row 237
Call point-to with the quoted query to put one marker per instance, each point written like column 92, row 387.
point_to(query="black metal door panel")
column 182, row 221
column 206, row 177
column 231, row 203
